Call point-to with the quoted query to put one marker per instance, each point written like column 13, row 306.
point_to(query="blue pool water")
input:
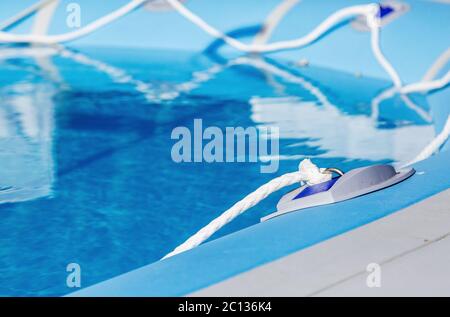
column 86, row 174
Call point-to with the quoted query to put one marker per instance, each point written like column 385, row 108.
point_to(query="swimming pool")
column 86, row 150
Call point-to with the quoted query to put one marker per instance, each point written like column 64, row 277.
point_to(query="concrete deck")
column 411, row 246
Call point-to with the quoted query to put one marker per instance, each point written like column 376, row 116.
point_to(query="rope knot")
column 311, row 173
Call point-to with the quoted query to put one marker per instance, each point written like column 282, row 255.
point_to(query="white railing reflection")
column 26, row 155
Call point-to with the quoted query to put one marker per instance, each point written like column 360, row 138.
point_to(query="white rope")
column 70, row 36
column 425, row 86
column 391, row 92
column 440, row 62
column 338, row 16
column 434, row 145
column 370, row 11
column 322, row 28
column 24, row 14
column 374, row 25
column 273, row 19
column 308, row 172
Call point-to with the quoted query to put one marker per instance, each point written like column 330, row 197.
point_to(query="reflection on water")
column 338, row 134
column 26, row 127
column 89, row 134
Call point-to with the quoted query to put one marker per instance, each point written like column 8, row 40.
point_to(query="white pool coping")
column 411, row 246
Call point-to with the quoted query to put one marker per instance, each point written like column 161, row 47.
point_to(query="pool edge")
column 244, row 250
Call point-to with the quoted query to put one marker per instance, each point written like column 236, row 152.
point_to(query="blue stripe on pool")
column 318, row 188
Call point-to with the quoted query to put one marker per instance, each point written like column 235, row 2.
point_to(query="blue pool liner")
column 262, row 243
